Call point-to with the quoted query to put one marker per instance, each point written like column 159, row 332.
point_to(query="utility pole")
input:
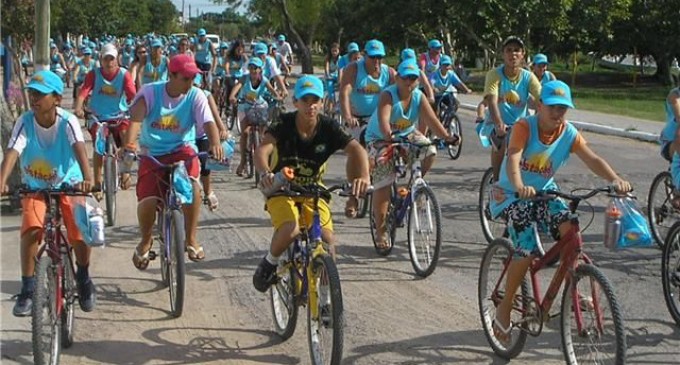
column 184, row 18
column 189, row 17
column 41, row 60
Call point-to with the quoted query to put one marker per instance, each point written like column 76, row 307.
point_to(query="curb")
column 600, row 129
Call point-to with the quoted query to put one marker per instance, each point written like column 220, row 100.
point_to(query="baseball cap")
column 352, row 47
column 540, row 59
column 109, row 50
column 224, row 45
column 53, row 45
column 513, row 39
column 434, row 43
column 201, row 32
column 274, row 46
column 183, row 64
column 308, row 85
column 407, row 54
column 282, row 37
column 255, row 61
column 67, row 46
column 156, row 43
column 408, row 68
column 46, row 82
column 374, row 48
column 87, row 50
column 556, row 93
column 260, row 49
column 445, row 60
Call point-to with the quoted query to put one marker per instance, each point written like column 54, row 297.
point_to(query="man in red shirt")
column 111, row 88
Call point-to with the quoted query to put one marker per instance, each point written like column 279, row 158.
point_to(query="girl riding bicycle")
column 48, row 143
column 539, row 145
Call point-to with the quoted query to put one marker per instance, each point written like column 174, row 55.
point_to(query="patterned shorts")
column 527, row 217
column 381, row 159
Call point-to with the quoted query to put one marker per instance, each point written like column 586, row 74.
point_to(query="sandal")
column 383, row 244
column 140, row 261
column 125, row 181
column 351, row 207
column 239, row 170
column 211, row 201
column 498, row 329
column 195, row 254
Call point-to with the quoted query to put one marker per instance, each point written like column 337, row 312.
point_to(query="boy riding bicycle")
column 48, row 143
column 303, row 139
column 670, row 138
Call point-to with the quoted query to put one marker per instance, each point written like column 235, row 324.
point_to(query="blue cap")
column 540, row 59
column 156, row 43
column 224, row 45
column 255, row 61
column 556, row 93
column 93, row 45
column 53, row 45
column 308, row 85
column 434, row 43
column 260, row 49
column 46, row 82
column 352, row 47
column 87, row 50
column 375, row 47
column 274, row 46
column 282, row 37
column 67, row 46
column 129, row 42
column 201, row 32
column 408, row 68
column 407, row 54
column 445, row 60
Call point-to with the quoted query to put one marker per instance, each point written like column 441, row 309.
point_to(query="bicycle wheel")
column 660, row 212
column 325, row 327
column 175, row 236
column 601, row 337
column 163, row 250
column 391, row 227
column 46, row 323
column 424, row 231
column 69, row 293
column 256, row 142
column 670, row 272
column 490, row 293
column 492, row 228
column 454, row 128
column 283, row 297
column 110, row 180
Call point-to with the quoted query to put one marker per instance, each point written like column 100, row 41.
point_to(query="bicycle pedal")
column 152, row 255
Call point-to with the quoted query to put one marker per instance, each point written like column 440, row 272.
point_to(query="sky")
column 205, row 6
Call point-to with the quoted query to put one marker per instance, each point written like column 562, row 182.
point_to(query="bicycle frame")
column 415, row 181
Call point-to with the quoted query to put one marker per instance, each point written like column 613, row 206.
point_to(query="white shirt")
column 46, row 136
column 285, row 50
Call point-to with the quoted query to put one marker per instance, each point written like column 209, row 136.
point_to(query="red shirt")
column 128, row 84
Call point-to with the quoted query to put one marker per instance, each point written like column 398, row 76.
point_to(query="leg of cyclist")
column 383, row 175
column 243, row 145
column 96, row 163
column 191, row 214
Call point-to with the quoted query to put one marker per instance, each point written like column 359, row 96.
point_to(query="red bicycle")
column 592, row 327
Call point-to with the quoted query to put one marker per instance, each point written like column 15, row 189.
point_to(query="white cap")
column 109, row 50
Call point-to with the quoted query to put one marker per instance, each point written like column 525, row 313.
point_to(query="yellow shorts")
column 282, row 209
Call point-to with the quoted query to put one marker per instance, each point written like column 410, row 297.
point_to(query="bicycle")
column 448, row 107
column 330, row 102
column 307, row 276
column 419, row 202
column 55, row 295
column 257, row 117
column 661, row 214
column 109, row 162
column 670, row 272
column 229, row 110
column 531, row 310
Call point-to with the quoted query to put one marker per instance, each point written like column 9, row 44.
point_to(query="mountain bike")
column 331, row 107
column 670, row 272
column 448, row 107
column 230, row 110
column 592, row 327
column 257, row 118
column 661, row 214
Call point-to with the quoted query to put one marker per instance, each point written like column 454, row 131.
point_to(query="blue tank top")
column 513, row 98
column 203, row 54
column 431, row 67
column 84, row 69
column 153, row 73
column 333, row 67
column 366, row 91
column 54, row 62
column 235, row 67
column 127, row 58
column 165, row 130
column 441, row 83
column 547, row 77
column 253, row 95
column 404, row 122
column 48, row 166
column 538, row 165
column 219, row 68
column 668, row 132
column 108, row 98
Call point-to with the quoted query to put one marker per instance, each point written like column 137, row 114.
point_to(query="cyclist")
column 57, row 63
column 353, row 55
column 269, row 68
column 285, row 50
column 539, row 145
column 539, row 66
column 127, row 55
column 303, row 139
column 402, row 111
column 140, row 58
column 205, row 55
column 425, row 85
column 183, row 47
column 70, row 60
column 429, row 61
column 48, row 143
column 109, row 88
column 670, row 140
column 506, row 90
column 331, row 68
column 155, row 67
column 251, row 89
column 280, row 62
column 220, row 69
column 444, row 79
column 166, row 113
column 360, row 87
column 236, row 60
column 83, row 67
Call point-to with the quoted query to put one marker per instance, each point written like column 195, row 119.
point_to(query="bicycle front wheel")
column 69, row 292
column 46, row 323
column 454, row 128
column 660, row 212
column 283, row 297
column 592, row 324
column 325, row 321
column 492, row 228
column 176, row 248
column 110, row 180
column 424, row 231
column 670, row 272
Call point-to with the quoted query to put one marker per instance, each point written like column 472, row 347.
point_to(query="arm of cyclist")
column 137, row 114
column 84, row 163
column 261, row 160
column 203, row 114
column 513, row 171
column 491, row 85
column 601, row 168
column 8, row 162
column 282, row 86
column 85, row 91
column 278, row 95
column 357, row 168
column 427, row 87
column 221, row 129
column 234, row 92
column 428, row 115
column 384, row 114
column 346, row 84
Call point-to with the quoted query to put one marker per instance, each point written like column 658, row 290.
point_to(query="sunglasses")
column 379, row 58
column 35, row 94
column 410, row 78
column 141, row 52
column 252, row 67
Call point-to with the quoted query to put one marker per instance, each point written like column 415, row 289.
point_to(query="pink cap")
column 184, row 64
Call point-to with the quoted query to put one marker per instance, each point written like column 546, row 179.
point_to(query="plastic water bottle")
column 285, row 175
column 612, row 226
column 97, row 226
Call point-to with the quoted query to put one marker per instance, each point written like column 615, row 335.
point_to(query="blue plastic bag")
column 224, row 165
column 83, row 208
column 100, row 140
column 483, row 132
column 184, row 189
column 634, row 226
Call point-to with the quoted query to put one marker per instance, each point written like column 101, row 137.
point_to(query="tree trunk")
column 42, row 35
column 663, row 68
column 303, row 51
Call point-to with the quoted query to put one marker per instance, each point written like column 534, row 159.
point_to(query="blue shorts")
column 528, row 217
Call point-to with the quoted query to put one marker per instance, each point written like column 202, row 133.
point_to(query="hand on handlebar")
column 85, row 186
column 622, row 186
column 80, row 113
column 359, row 186
column 216, row 152
column 267, row 180
column 501, row 129
column 351, row 121
column 452, row 140
column 526, row 192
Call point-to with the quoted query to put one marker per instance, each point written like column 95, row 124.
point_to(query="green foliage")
column 20, row 22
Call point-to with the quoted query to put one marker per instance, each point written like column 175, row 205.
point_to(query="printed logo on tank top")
column 109, row 90
column 512, row 98
column 370, row 88
column 538, row 164
column 167, row 123
column 251, row 96
column 41, row 170
column 402, row 124
column 320, row 148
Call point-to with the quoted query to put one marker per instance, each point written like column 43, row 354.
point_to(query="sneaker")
column 265, row 276
column 23, row 305
column 87, row 296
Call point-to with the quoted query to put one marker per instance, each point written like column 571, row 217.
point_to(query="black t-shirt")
column 306, row 157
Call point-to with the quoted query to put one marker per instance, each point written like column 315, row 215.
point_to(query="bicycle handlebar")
column 609, row 189
column 64, row 189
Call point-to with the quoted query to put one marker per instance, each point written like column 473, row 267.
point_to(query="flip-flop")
column 125, row 181
column 505, row 331
column 140, row 261
column 194, row 253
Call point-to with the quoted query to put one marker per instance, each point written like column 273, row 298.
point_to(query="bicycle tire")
column 256, row 142
column 657, row 213
column 285, row 323
column 670, row 272
column 45, row 336
column 619, row 351
column 491, row 228
column 69, row 293
column 454, row 127
column 110, row 181
column 334, row 321
column 431, row 254
column 391, row 227
column 165, row 279
column 176, row 263
column 484, row 299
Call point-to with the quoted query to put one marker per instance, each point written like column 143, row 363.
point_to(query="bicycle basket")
column 258, row 114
